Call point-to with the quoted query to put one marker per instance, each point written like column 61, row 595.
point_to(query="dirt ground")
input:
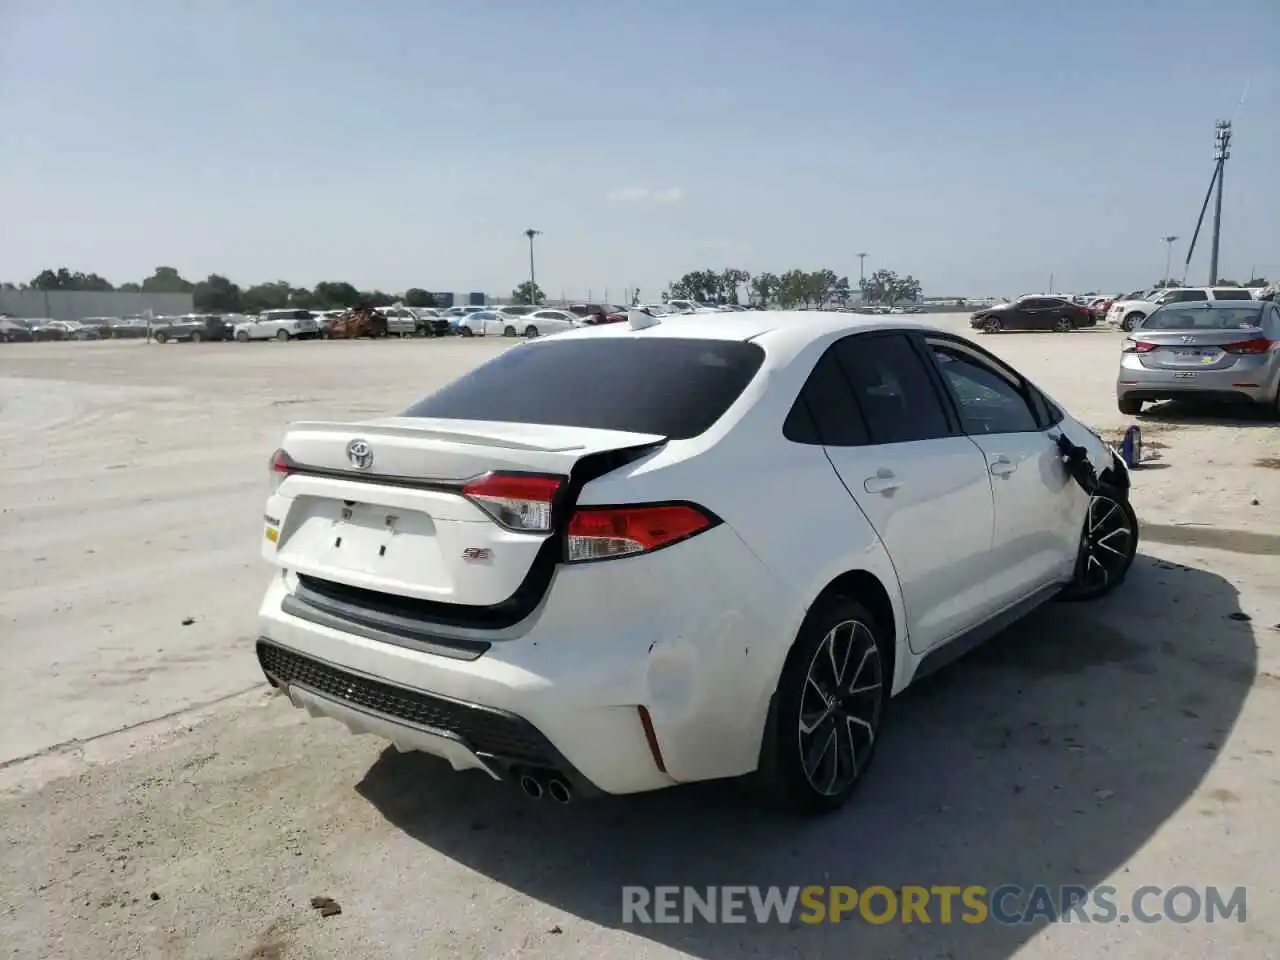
column 157, row 801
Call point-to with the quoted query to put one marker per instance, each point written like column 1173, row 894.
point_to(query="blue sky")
column 980, row 146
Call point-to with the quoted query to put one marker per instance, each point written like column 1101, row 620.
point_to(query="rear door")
column 921, row 484
column 1038, row 508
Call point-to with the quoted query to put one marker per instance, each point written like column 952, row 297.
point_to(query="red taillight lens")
column 1137, row 346
column 601, row 533
column 1255, row 346
column 518, row 501
column 280, row 467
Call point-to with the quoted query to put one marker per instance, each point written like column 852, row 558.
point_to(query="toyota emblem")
column 360, row 454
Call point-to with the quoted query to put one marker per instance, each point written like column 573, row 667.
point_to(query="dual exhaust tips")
column 536, row 787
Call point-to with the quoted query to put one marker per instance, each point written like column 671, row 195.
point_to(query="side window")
column 893, row 389
column 824, row 412
column 988, row 403
column 1193, row 295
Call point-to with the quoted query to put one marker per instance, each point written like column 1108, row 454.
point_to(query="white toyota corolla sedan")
column 648, row 553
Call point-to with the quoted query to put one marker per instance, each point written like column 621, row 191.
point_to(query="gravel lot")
column 157, row 801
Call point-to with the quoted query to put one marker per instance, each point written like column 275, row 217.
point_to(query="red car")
column 596, row 313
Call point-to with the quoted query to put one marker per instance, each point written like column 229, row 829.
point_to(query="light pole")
column 862, row 278
column 1168, row 256
column 533, row 284
column 1222, row 141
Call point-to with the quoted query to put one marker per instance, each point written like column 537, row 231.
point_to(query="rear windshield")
column 670, row 386
column 1202, row 318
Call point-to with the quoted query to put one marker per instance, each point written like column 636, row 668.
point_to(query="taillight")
column 602, row 533
column 281, row 466
column 517, row 501
column 1255, row 346
column 1137, row 346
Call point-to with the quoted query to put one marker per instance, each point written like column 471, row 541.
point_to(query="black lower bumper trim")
column 508, row 741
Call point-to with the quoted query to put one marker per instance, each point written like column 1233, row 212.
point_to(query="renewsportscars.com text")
column 1008, row 904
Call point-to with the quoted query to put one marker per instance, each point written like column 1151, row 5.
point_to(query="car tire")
column 1063, row 326
column 196, row 336
column 531, row 333
column 282, row 335
column 1130, row 408
column 814, row 771
column 508, row 331
column 1131, row 320
column 991, row 325
column 160, row 337
column 242, row 336
column 466, row 332
column 1106, row 554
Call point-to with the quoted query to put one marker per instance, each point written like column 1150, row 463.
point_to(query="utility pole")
column 862, row 272
column 1168, row 256
column 533, row 284
column 1222, row 144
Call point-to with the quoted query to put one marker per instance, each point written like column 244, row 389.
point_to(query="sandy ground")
column 156, row 801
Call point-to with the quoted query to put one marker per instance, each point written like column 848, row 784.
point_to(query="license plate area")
column 1185, row 375
column 1195, row 356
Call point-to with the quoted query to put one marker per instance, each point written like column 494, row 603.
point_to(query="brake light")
column 517, row 501
column 602, row 533
column 281, row 466
column 1137, row 346
column 1255, row 346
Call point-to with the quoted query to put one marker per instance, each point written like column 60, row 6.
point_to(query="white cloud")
column 645, row 195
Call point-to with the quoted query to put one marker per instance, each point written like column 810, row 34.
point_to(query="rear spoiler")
column 440, row 430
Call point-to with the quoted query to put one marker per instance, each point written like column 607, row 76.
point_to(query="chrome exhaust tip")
column 531, row 787
column 559, row 791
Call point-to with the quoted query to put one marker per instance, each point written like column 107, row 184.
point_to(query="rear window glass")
column 1201, row 318
column 670, row 386
column 1233, row 294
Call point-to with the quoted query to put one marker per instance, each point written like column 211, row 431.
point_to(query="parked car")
column 484, row 323
column 401, row 321
column 288, row 324
column 592, row 312
column 355, row 324
column 14, row 331
column 192, row 328
column 1213, row 350
column 1032, row 313
column 543, row 571
column 545, row 322
column 432, row 322
column 1130, row 312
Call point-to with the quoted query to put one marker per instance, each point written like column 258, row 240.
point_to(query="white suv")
column 672, row 549
column 1128, row 314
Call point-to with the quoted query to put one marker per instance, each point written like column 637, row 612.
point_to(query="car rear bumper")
column 560, row 693
column 1244, row 382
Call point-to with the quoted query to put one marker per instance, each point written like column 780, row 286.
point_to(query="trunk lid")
column 400, row 523
column 1193, row 349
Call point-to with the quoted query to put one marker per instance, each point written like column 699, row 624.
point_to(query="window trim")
column 982, row 358
column 954, row 428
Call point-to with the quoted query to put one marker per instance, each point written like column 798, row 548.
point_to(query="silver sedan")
column 1210, row 350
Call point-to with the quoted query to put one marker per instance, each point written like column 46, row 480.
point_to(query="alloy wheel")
column 840, row 708
column 992, row 325
column 1107, row 543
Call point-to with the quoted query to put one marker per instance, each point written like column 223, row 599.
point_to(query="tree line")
column 795, row 288
column 217, row 294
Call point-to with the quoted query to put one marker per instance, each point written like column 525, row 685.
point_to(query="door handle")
column 883, row 482
column 1002, row 467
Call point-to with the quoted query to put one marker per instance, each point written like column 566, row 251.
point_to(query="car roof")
column 783, row 332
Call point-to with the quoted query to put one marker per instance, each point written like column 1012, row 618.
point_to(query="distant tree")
column 730, row 279
column 886, row 287
column 217, row 294
column 129, row 287
column 764, row 288
column 1255, row 282
column 376, row 298
column 266, row 296
column 334, row 294
column 64, row 279
column 842, row 293
column 417, row 297
column 528, row 293
column 166, row 280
